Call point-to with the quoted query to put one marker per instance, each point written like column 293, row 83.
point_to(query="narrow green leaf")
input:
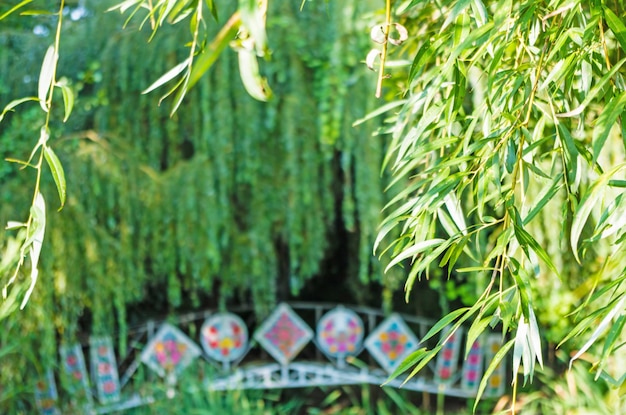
column 68, row 98
column 254, row 83
column 444, row 321
column 586, row 205
column 409, row 361
column 459, row 7
column 253, row 18
column 612, row 337
column 209, row 54
column 11, row 105
column 599, row 86
column 606, row 121
column 618, row 308
column 416, row 249
column 480, row 12
column 424, row 361
column 476, row 329
column 212, row 9
column 545, row 196
column 57, row 173
column 37, row 13
column 497, row 359
column 527, row 241
column 617, row 26
column 168, row 76
column 34, row 242
column 180, row 93
column 379, row 111
column 14, row 8
column 46, row 76
column 422, row 55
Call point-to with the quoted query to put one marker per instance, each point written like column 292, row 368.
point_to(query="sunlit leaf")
column 606, row 121
column 588, row 202
column 34, row 242
column 604, row 324
column 210, row 53
column 255, row 84
column 168, row 76
column 46, row 76
column 617, row 26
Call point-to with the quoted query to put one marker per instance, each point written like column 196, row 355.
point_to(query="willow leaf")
column 612, row 337
column 476, row 329
column 444, row 322
column 424, row 361
column 46, row 76
column 68, row 98
column 34, row 242
column 618, row 308
column 617, row 26
column 409, row 361
column 210, row 53
column 15, row 8
column 594, row 91
column 497, row 359
column 586, row 205
column 414, row 250
column 526, row 241
column 379, row 111
column 168, row 76
column 605, row 123
column 423, row 54
column 546, row 195
column 254, row 83
column 57, row 173
column 11, row 105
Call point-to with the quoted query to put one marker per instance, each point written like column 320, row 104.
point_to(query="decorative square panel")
column 104, row 369
column 448, row 357
column 169, row 351
column 340, row 333
column 284, row 334
column 73, row 362
column 473, row 367
column 224, row 337
column 496, row 382
column 391, row 342
column 46, row 394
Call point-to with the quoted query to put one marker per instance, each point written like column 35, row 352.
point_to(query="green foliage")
column 509, row 140
column 228, row 199
column 190, row 398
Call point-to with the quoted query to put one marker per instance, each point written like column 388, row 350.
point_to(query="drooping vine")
column 229, row 199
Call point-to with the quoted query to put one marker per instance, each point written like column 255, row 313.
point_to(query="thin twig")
column 383, row 55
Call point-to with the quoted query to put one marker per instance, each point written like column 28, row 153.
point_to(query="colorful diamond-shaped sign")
column 340, row 332
column 169, row 351
column 283, row 334
column 391, row 342
column 224, row 337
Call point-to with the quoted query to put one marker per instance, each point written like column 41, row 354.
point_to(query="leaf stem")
column 383, row 54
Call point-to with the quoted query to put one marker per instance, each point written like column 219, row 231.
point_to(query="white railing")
column 298, row 345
